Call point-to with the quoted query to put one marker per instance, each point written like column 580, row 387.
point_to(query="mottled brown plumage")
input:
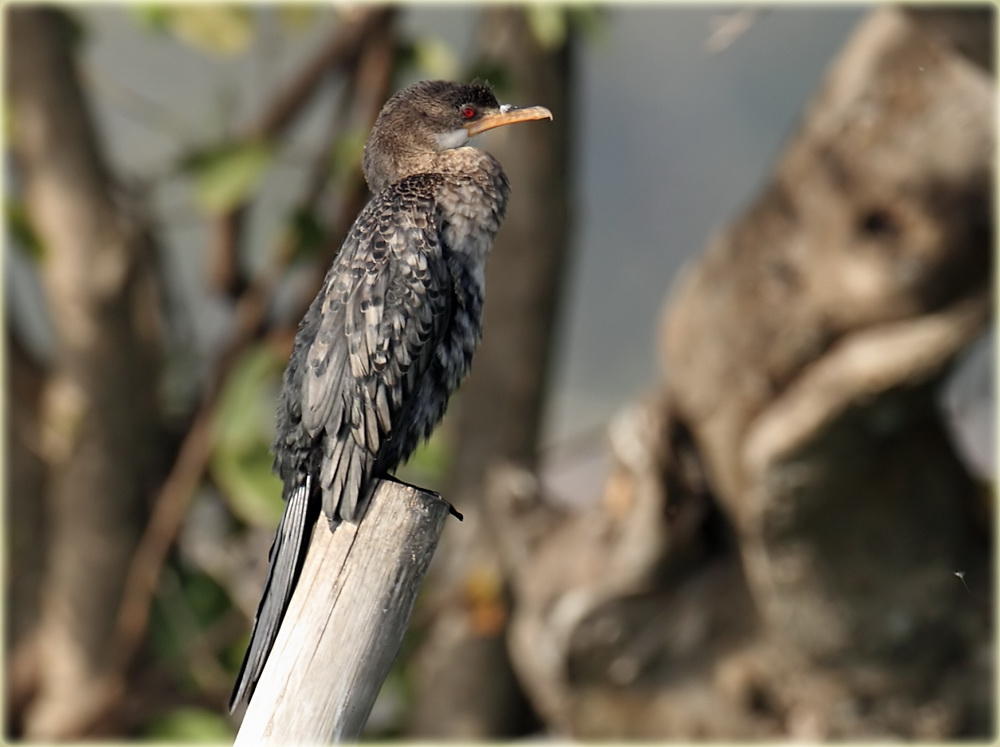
column 391, row 333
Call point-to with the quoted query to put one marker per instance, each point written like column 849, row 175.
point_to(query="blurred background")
column 726, row 455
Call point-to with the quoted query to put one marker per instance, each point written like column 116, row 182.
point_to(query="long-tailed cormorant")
column 391, row 333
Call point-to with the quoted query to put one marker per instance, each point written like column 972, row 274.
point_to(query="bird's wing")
column 369, row 339
column 385, row 311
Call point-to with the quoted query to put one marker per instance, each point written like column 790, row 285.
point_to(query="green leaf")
column 186, row 599
column 7, row 120
column 405, row 56
column 231, row 655
column 241, row 459
column 436, row 59
column 21, row 231
column 226, row 177
column 189, row 724
column 345, row 153
column 589, row 20
column 430, row 461
column 251, row 488
column 222, row 29
column 307, row 234
column 296, row 16
column 238, row 417
column 151, row 17
column 206, row 599
column 494, row 73
column 240, row 422
column 72, row 27
column 547, row 23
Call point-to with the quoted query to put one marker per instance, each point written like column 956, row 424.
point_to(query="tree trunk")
column 467, row 687
column 828, row 315
column 100, row 415
column 788, row 545
column 26, row 522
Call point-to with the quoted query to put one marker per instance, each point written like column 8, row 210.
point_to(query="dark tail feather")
column 286, row 556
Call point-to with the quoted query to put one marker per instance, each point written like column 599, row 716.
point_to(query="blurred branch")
column 340, row 51
column 27, row 539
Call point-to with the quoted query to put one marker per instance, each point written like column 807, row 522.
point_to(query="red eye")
column 468, row 112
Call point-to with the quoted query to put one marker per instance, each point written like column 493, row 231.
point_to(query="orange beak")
column 506, row 117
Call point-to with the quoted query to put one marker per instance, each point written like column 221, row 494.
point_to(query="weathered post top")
column 345, row 622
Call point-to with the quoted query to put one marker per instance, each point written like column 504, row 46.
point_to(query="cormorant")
column 391, row 333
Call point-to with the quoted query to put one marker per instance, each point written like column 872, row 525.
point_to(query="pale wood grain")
column 345, row 622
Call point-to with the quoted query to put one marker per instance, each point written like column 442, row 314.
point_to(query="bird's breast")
column 472, row 209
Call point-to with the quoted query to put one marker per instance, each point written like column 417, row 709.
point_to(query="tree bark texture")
column 467, row 688
column 777, row 551
column 100, row 410
column 856, row 279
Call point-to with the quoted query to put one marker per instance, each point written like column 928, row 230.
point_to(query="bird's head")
column 429, row 117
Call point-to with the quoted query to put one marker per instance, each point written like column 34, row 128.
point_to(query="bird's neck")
column 471, row 198
column 464, row 161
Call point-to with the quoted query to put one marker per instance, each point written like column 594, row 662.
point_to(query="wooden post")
column 345, row 622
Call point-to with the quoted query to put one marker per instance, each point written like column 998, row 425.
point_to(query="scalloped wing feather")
column 386, row 311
